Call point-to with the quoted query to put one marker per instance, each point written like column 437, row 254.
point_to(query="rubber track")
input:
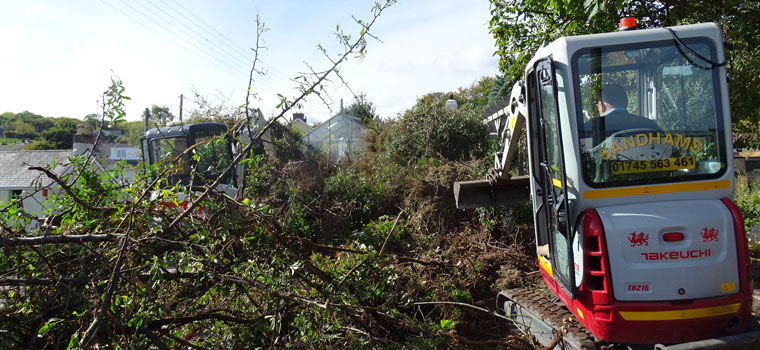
column 554, row 314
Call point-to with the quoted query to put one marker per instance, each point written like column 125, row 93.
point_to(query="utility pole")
column 341, row 106
column 181, row 98
column 146, row 118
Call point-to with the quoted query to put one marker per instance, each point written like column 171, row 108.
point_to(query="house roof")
column 14, row 147
column 14, row 166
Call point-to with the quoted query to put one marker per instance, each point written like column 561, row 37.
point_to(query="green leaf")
column 49, row 324
column 447, row 324
column 73, row 342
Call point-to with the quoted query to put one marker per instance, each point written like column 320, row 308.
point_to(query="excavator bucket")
column 480, row 193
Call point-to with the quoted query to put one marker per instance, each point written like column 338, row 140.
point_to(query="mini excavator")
column 631, row 182
column 201, row 152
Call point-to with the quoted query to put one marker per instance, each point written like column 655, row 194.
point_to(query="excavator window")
column 172, row 151
column 198, row 153
column 211, row 157
column 552, row 178
column 668, row 124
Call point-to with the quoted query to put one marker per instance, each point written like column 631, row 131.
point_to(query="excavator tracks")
column 550, row 323
column 555, row 327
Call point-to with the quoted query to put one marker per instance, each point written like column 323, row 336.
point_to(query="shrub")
column 430, row 130
column 748, row 200
column 39, row 145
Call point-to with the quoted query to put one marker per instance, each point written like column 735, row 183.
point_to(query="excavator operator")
column 614, row 115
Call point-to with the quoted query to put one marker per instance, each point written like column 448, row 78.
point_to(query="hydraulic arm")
column 500, row 187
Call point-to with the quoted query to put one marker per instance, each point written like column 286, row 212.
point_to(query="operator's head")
column 613, row 96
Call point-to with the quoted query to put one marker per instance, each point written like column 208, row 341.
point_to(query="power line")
column 209, row 26
column 213, row 42
column 214, row 39
column 263, row 82
column 175, row 34
column 227, row 42
column 169, row 39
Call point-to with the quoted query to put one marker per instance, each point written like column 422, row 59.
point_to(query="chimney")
column 83, row 140
column 299, row 116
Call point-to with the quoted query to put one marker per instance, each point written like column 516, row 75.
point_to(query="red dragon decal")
column 641, row 239
column 709, row 235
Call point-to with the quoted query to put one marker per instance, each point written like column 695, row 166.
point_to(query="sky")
column 58, row 57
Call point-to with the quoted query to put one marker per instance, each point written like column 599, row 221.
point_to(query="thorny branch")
column 66, row 239
column 260, row 29
column 360, row 42
column 242, row 268
column 106, row 300
column 67, row 188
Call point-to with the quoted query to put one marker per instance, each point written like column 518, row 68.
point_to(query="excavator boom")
column 500, row 188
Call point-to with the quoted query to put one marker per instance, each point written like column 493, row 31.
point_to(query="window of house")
column 16, row 195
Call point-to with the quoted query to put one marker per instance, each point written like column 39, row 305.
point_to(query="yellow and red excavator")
column 631, row 181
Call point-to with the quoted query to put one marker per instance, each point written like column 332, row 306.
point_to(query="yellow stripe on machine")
column 657, row 189
column 546, row 265
column 684, row 314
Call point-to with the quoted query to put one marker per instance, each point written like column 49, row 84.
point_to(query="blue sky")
column 57, row 57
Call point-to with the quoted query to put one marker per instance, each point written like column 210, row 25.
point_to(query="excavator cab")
column 198, row 153
column 631, row 180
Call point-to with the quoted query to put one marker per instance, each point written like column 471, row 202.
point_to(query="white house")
column 31, row 186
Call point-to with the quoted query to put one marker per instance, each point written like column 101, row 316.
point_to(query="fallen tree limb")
column 277, row 293
column 41, row 281
column 155, row 340
column 465, row 305
column 58, row 239
column 67, row 188
column 490, row 343
column 105, row 303
column 206, row 316
column 381, row 250
column 85, row 280
column 356, row 251
column 182, row 341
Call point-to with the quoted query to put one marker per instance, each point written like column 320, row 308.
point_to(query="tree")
column 93, row 121
column 134, row 130
column 65, row 122
column 217, row 109
column 362, row 107
column 24, row 130
column 429, row 129
column 61, row 137
column 476, row 95
column 500, row 90
column 39, row 145
column 42, row 124
column 28, row 117
column 160, row 115
column 521, row 26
